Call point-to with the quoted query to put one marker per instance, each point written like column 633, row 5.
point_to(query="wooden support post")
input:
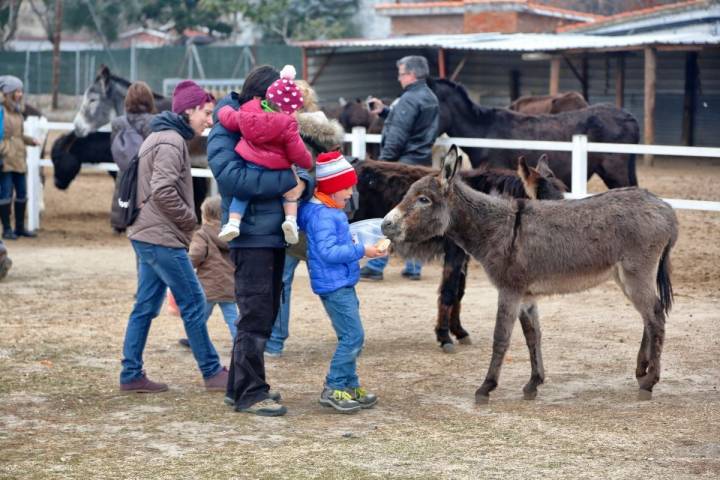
column 691, row 81
column 441, row 63
column 585, row 78
column 650, row 83
column 305, row 64
column 554, row 76
column 620, row 81
column 514, row 85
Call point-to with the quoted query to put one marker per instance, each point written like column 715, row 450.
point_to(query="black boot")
column 8, row 233
column 20, row 220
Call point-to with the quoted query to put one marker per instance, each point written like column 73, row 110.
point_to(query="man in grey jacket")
column 410, row 129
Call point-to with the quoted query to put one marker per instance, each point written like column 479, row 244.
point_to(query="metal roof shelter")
column 524, row 42
column 585, row 58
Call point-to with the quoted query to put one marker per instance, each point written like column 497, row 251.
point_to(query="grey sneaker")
column 265, row 408
column 340, row 400
column 272, row 394
column 362, row 396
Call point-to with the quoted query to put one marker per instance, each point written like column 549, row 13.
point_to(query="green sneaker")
column 265, row 408
column 340, row 400
column 362, row 396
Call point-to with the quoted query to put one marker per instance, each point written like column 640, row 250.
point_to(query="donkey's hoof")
column 449, row 348
column 644, row 395
column 481, row 399
column 529, row 394
column 465, row 340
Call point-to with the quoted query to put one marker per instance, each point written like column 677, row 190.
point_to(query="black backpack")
column 127, row 195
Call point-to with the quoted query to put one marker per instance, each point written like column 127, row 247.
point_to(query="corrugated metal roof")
column 522, row 42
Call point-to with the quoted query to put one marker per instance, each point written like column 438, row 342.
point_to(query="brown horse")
column 549, row 104
column 382, row 185
column 461, row 117
column 531, row 249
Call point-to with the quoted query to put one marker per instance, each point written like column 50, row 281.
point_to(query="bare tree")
column 56, row 53
column 9, row 10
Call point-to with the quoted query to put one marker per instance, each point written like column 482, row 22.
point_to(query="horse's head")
column 418, row 223
column 102, row 102
column 355, row 114
column 540, row 181
column 66, row 165
column 382, row 185
column 459, row 115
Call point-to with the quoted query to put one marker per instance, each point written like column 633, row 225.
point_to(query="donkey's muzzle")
column 391, row 224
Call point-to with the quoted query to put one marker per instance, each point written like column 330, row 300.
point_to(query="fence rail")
column 579, row 147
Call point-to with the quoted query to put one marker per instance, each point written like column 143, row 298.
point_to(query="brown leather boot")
column 218, row 382
column 143, row 385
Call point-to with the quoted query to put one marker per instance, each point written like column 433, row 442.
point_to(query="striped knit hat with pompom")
column 284, row 93
column 334, row 173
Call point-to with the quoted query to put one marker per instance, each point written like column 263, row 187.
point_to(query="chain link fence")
column 152, row 65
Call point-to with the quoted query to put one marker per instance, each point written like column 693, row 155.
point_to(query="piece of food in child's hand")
column 383, row 244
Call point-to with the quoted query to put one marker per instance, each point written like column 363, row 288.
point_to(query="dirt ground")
column 64, row 307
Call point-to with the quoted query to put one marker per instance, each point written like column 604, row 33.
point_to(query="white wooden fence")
column 579, row 147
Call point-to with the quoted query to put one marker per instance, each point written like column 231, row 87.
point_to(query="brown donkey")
column 530, row 249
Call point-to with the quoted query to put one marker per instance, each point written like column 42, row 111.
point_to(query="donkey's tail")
column 632, row 175
column 664, row 284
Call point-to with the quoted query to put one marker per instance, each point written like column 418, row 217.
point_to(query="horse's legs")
column 447, row 301
column 638, row 285
column 455, row 327
column 508, row 310
column 530, row 322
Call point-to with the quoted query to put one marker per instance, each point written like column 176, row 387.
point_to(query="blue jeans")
column 238, row 206
column 161, row 268
column 343, row 308
column 8, row 181
column 412, row 267
column 229, row 311
column 281, row 327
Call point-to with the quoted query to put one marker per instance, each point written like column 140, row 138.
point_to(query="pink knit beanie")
column 189, row 94
column 284, row 93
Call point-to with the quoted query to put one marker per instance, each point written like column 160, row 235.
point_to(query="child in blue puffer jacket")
column 332, row 261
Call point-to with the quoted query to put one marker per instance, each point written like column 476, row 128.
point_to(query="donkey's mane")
column 127, row 83
column 475, row 108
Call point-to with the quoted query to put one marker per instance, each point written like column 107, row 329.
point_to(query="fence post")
column 579, row 164
column 359, row 142
column 32, row 129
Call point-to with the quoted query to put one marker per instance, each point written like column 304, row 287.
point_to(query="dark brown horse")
column 549, row 104
column 461, row 117
column 382, row 185
column 531, row 249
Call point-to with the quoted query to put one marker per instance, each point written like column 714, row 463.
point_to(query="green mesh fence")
column 78, row 69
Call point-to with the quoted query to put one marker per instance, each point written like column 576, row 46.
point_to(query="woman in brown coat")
column 13, row 159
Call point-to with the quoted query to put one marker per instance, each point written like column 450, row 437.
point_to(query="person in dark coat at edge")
column 258, row 252
column 410, row 129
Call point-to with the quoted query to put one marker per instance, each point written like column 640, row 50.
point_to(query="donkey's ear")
column 451, row 165
column 104, row 76
column 543, row 168
column 523, row 169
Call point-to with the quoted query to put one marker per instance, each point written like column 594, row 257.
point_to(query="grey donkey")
column 531, row 248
